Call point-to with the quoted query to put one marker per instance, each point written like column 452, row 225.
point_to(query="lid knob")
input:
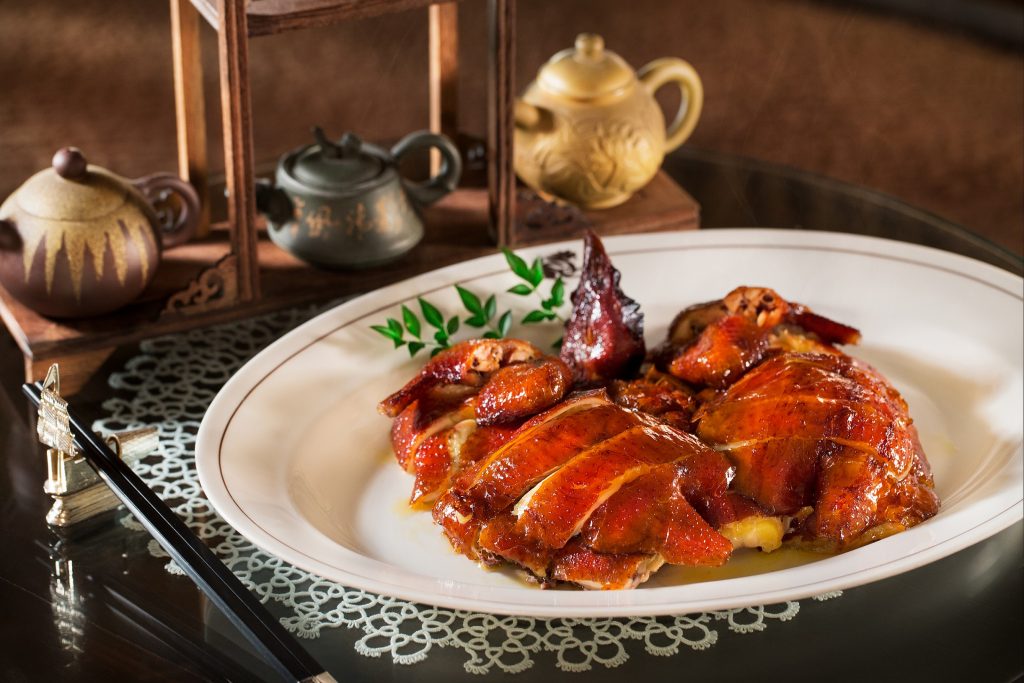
column 70, row 163
column 590, row 46
column 10, row 240
column 350, row 145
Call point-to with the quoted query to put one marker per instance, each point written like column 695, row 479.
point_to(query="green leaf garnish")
column 387, row 332
column 536, row 317
column 557, row 293
column 482, row 313
column 504, row 323
column 470, row 300
column 536, row 273
column 521, row 290
column 431, row 314
column 517, row 264
column 412, row 323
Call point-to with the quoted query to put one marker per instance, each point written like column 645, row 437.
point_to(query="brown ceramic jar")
column 77, row 240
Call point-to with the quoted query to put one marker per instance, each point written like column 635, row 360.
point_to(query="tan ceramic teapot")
column 589, row 131
column 77, row 240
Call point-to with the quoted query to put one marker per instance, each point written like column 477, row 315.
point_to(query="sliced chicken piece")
column 542, row 444
column 580, row 565
column 540, row 447
column 437, row 411
column 594, row 494
column 827, row 432
column 432, row 464
column 725, row 349
column 440, row 457
column 557, row 508
column 651, row 515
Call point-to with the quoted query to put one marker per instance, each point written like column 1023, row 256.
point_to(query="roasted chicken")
column 747, row 427
column 817, row 437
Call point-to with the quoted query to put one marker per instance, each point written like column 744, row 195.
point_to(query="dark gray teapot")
column 344, row 204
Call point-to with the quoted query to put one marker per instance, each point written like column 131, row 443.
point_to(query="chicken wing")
column 713, row 344
column 465, row 403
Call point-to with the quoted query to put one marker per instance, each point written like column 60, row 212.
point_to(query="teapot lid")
column 586, row 70
column 71, row 190
column 329, row 166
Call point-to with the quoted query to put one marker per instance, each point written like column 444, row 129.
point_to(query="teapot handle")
column 671, row 70
column 446, row 179
column 176, row 222
column 10, row 240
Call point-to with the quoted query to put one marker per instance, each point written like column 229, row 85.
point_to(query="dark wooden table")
column 101, row 608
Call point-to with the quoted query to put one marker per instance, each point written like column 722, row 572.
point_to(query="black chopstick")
column 265, row 632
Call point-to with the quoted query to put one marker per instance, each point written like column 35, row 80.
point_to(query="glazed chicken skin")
column 713, row 344
column 589, row 493
column 819, row 439
column 825, row 432
column 466, row 402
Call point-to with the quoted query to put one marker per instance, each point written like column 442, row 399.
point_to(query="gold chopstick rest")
column 132, row 444
column 78, row 492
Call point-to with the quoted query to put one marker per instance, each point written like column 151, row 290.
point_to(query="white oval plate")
column 293, row 454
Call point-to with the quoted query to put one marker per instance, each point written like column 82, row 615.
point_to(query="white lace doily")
column 171, row 383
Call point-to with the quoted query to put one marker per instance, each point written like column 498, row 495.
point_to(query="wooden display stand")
column 233, row 271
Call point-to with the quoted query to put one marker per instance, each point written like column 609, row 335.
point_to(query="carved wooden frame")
column 234, row 26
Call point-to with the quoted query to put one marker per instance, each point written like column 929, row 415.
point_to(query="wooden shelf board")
column 268, row 17
column 661, row 205
column 457, row 230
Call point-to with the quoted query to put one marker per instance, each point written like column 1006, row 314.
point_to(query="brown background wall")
column 931, row 115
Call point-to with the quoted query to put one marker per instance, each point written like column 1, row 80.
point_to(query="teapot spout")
column 10, row 240
column 273, row 203
column 530, row 117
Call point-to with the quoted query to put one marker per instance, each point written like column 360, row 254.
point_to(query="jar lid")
column 586, row 70
column 331, row 166
column 71, row 190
